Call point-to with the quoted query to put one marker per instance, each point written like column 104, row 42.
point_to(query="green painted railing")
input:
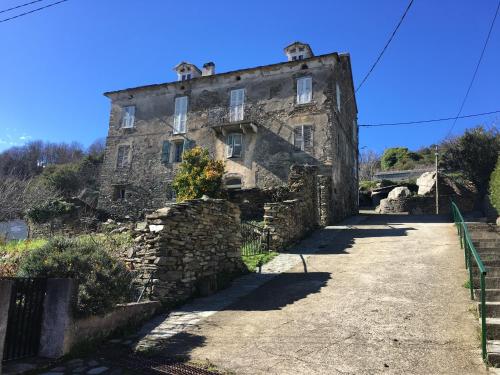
column 470, row 253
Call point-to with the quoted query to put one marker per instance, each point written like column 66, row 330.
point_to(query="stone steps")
column 492, row 295
column 492, row 309
column 493, row 348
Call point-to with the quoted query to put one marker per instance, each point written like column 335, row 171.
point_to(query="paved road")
column 384, row 296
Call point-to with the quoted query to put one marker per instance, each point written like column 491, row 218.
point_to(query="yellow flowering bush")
column 198, row 175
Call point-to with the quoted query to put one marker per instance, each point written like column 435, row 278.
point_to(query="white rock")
column 156, row 228
column 426, row 183
column 399, row 192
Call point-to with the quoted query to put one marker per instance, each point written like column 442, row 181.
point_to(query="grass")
column 467, row 284
column 21, row 246
column 252, row 262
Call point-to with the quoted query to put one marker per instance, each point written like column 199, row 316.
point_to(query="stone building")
column 259, row 120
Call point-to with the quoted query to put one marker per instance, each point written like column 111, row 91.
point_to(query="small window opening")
column 182, row 87
column 238, row 78
column 304, row 66
column 233, row 183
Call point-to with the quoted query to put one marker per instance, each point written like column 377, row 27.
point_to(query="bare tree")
column 96, row 149
column 369, row 164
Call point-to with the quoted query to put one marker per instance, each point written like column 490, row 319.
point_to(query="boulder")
column 399, row 192
column 426, row 183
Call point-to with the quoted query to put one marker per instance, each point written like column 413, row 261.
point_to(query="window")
column 178, row 150
column 234, row 145
column 128, row 116
column 180, row 115
column 302, row 138
column 304, row 90
column 186, row 76
column 119, row 193
column 233, row 183
column 123, row 156
column 165, row 152
column 237, row 105
column 337, row 89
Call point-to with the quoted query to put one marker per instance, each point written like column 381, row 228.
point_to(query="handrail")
column 469, row 249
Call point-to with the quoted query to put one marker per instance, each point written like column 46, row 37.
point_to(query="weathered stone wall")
column 270, row 104
column 252, row 201
column 290, row 220
column 325, row 202
column 185, row 247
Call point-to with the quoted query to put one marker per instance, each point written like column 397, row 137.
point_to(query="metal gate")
column 255, row 239
column 25, row 318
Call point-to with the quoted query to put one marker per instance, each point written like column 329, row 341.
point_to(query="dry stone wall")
column 185, row 248
column 291, row 220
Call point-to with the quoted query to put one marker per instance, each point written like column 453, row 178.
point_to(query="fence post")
column 56, row 320
column 5, row 292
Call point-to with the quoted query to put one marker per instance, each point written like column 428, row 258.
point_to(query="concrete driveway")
column 384, row 296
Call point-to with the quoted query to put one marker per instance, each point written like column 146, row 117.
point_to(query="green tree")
column 198, row 175
column 495, row 186
column 474, row 154
column 398, row 158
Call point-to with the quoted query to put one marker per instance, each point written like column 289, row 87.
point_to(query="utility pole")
column 437, row 185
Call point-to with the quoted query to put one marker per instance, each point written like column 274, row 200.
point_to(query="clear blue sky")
column 55, row 64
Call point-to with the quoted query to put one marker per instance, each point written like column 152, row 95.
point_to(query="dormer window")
column 298, row 51
column 186, row 71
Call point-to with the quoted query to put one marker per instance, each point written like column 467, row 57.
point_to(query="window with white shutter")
column 128, row 116
column 237, row 105
column 180, row 115
column 337, row 89
column 234, row 146
column 303, row 138
column 304, row 90
column 123, row 156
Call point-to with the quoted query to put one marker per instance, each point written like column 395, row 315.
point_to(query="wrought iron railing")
column 255, row 239
column 470, row 253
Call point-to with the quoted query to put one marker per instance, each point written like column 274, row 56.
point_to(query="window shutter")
column 188, row 144
column 180, row 115
column 165, row 152
column 297, row 137
column 300, row 89
column 307, row 136
column 308, row 89
column 229, row 143
column 237, row 145
column 337, row 89
column 236, row 105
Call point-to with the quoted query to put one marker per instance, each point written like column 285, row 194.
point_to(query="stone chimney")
column 208, row 69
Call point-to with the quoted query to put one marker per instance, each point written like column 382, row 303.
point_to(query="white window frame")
column 237, row 105
column 180, row 114
column 128, row 117
column 301, row 139
column 230, row 145
column 304, row 90
column 125, row 162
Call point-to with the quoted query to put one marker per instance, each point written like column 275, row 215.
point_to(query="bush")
column 399, row 158
column 47, row 211
column 367, row 185
column 495, row 186
column 198, row 175
column 102, row 280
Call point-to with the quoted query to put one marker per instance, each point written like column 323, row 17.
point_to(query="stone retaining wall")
column 185, row 248
column 290, row 220
column 425, row 205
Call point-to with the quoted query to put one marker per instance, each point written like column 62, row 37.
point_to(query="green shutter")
column 188, row 144
column 165, row 152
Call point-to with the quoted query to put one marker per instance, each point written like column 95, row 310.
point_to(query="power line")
column 475, row 71
column 428, row 121
column 20, row 6
column 32, row 11
column 386, row 46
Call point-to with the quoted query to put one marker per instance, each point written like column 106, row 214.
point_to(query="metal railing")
column 256, row 240
column 470, row 253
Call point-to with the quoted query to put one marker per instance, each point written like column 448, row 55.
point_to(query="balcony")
column 224, row 121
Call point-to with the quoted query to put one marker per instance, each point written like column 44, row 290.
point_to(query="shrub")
column 399, row 158
column 198, row 175
column 102, row 280
column 47, row 211
column 367, row 185
column 495, row 186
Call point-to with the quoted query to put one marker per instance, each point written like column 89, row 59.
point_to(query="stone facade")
column 184, row 248
column 292, row 219
column 141, row 160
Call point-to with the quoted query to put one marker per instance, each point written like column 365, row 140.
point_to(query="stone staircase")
column 486, row 240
